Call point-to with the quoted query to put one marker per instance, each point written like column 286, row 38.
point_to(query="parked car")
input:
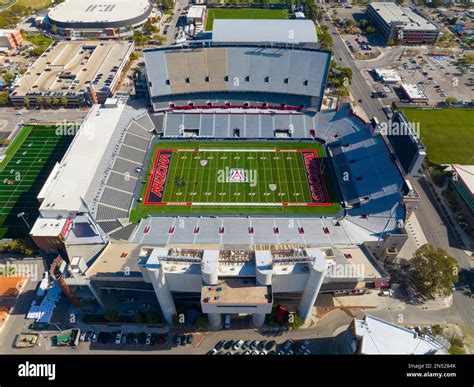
column 178, row 340
column 228, row 345
column 238, row 345
column 287, row 345
column 189, row 339
column 118, row 338
column 253, row 345
column 183, row 340
column 82, row 337
column 270, row 345
column 148, row 339
column 95, row 337
column 219, row 345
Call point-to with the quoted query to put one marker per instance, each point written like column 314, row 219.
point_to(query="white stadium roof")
column 252, row 30
column 98, row 11
column 75, row 174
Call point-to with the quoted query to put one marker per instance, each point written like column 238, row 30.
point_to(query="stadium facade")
column 95, row 19
column 233, row 265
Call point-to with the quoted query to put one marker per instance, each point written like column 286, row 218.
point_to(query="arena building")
column 245, row 257
column 95, row 19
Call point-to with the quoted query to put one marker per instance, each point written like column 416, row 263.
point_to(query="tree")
column 9, row 78
column 64, row 101
column 47, row 100
column 26, row 101
column 201, row 322
column 451, row 100
column 55, row 101
column 39, row 100
column 54, row 29
column 152, row 318
column 3, row 98
column 111, row 315
column 433, row 271
column 138, row 318
column 370, row 30
column 295, row 321
column 391, row 42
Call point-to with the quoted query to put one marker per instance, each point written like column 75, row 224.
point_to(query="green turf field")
column 220, row 13
column 245, row 177
column 28, row 163
column 447, row 134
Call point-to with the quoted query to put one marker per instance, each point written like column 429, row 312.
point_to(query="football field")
column 239, row 177
column 27, row 164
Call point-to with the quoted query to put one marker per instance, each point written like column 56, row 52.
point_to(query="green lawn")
column 272, row 178
column 244, row 14
column 447, row 134
column 30, row 158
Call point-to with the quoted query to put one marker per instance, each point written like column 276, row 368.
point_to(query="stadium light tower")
column 22, row 216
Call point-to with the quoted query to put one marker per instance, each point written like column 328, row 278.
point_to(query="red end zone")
column 159, row 176
column 316, row 180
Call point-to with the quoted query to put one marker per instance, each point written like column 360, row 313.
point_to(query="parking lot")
column 439, row 77
column 264, row 347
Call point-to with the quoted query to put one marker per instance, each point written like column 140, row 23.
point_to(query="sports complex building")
column 230, row 196
column 97, row 19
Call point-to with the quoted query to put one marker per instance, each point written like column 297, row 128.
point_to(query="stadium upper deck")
column 220, row 73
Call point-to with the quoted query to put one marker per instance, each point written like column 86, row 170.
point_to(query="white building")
column 413, row 92
column 387, row 76
column 374, row 336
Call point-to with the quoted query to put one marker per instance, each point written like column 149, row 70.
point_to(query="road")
column 180, row 4
column 360, row 89
column 10, row 120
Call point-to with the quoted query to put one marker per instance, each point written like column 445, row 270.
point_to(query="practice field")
column 238, row 178
column 28, row 162
column 243, row 14
column 447, row 134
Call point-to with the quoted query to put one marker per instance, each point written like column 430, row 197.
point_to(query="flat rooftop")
column 68, row 187
column 394, row 13
column 251, row 30
column 381, row 337
column 413, row 91
column 66, row 68
column 196, row 12
column 236, row 292
column 97, row 11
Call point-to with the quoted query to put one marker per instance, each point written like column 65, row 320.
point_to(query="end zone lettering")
column 159, row 176
column 313, row 174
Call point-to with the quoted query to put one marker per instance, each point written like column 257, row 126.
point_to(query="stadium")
column 240, row 179
column 99, row 18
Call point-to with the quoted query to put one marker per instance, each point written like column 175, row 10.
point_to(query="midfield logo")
column 237, row 175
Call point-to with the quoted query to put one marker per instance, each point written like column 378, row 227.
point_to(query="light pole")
column 22, row 216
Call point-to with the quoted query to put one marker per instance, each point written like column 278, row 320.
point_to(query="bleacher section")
column 117, row 194
column 268, row 73
column 374, row 175
column 223, row 125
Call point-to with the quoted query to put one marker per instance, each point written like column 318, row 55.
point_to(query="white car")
column 118, row 338
column 82, row 337
column 238, row 345
column 95, row 337
column 148, row 339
